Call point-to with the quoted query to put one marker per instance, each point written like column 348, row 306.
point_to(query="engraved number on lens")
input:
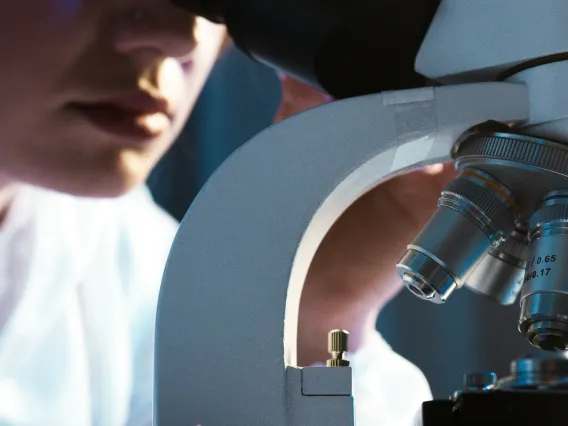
column 536, row 274
column 542, row 272
column 546, row 259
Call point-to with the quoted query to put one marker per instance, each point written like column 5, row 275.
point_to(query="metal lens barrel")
column 544, row 297
column 475, row 214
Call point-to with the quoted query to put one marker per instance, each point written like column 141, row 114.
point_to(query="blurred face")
column 95, row 91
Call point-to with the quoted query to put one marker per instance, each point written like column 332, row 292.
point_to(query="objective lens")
column 500, row 274
column 475, row 213
column 544, row 297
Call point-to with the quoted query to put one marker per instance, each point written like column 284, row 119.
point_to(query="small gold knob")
column 337, row 346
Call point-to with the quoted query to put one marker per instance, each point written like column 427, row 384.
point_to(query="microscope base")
column 499, row 408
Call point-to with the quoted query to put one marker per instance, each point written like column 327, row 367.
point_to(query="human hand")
column 297, row 97
column 353, row 272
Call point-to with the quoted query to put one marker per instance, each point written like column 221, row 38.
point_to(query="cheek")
column 38, row 40
column 38, row 28
column 210, row 39
column 65, row 9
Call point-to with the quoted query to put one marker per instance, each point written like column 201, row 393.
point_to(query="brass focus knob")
column 337, row 346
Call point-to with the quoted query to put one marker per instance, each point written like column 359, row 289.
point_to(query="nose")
column 164, row 30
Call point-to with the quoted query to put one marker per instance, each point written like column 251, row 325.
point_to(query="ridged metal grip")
column 483, row 200
column 551, row 215
column 548, row 214
column 480, row 197
column 516, row 248
column 517, row 148
column 338, row 341
column 337, row 346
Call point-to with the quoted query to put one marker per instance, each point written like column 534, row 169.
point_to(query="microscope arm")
column 228, row 310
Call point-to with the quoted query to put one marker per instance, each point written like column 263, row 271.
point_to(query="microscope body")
column 228, row 310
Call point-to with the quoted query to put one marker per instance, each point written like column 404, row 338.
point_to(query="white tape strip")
column 412, row 152
column 423, row 94
column 416, row 124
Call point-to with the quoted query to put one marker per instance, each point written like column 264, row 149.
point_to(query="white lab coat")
column 79, row 280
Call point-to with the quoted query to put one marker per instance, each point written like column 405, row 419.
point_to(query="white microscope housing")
column 228, row 311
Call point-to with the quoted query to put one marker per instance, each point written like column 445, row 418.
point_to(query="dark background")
column 469, row 333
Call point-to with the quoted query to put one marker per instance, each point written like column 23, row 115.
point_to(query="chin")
column 96, row 181
column 114, row 180
column 81, row 163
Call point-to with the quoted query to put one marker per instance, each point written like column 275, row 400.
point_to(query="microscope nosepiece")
column 475, row 214
column 544, row 297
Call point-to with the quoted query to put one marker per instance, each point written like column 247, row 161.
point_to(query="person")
column 94, row 92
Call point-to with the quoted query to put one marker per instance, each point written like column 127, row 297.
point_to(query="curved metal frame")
column 228, row 309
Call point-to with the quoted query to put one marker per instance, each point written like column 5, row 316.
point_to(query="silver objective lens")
column 544, row 297
column 501, row 273
column 475, row 213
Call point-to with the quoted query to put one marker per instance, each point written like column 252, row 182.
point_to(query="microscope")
column 482, row 83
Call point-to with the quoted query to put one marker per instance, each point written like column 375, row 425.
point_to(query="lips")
column 135, row 116
column 142, row 103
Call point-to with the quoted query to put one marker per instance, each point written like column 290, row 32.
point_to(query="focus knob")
column 337, row 346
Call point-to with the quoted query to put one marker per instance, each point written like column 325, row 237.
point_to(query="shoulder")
column 130, row 235
column 146, row 233
column 146, row 227
column 386, row 385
